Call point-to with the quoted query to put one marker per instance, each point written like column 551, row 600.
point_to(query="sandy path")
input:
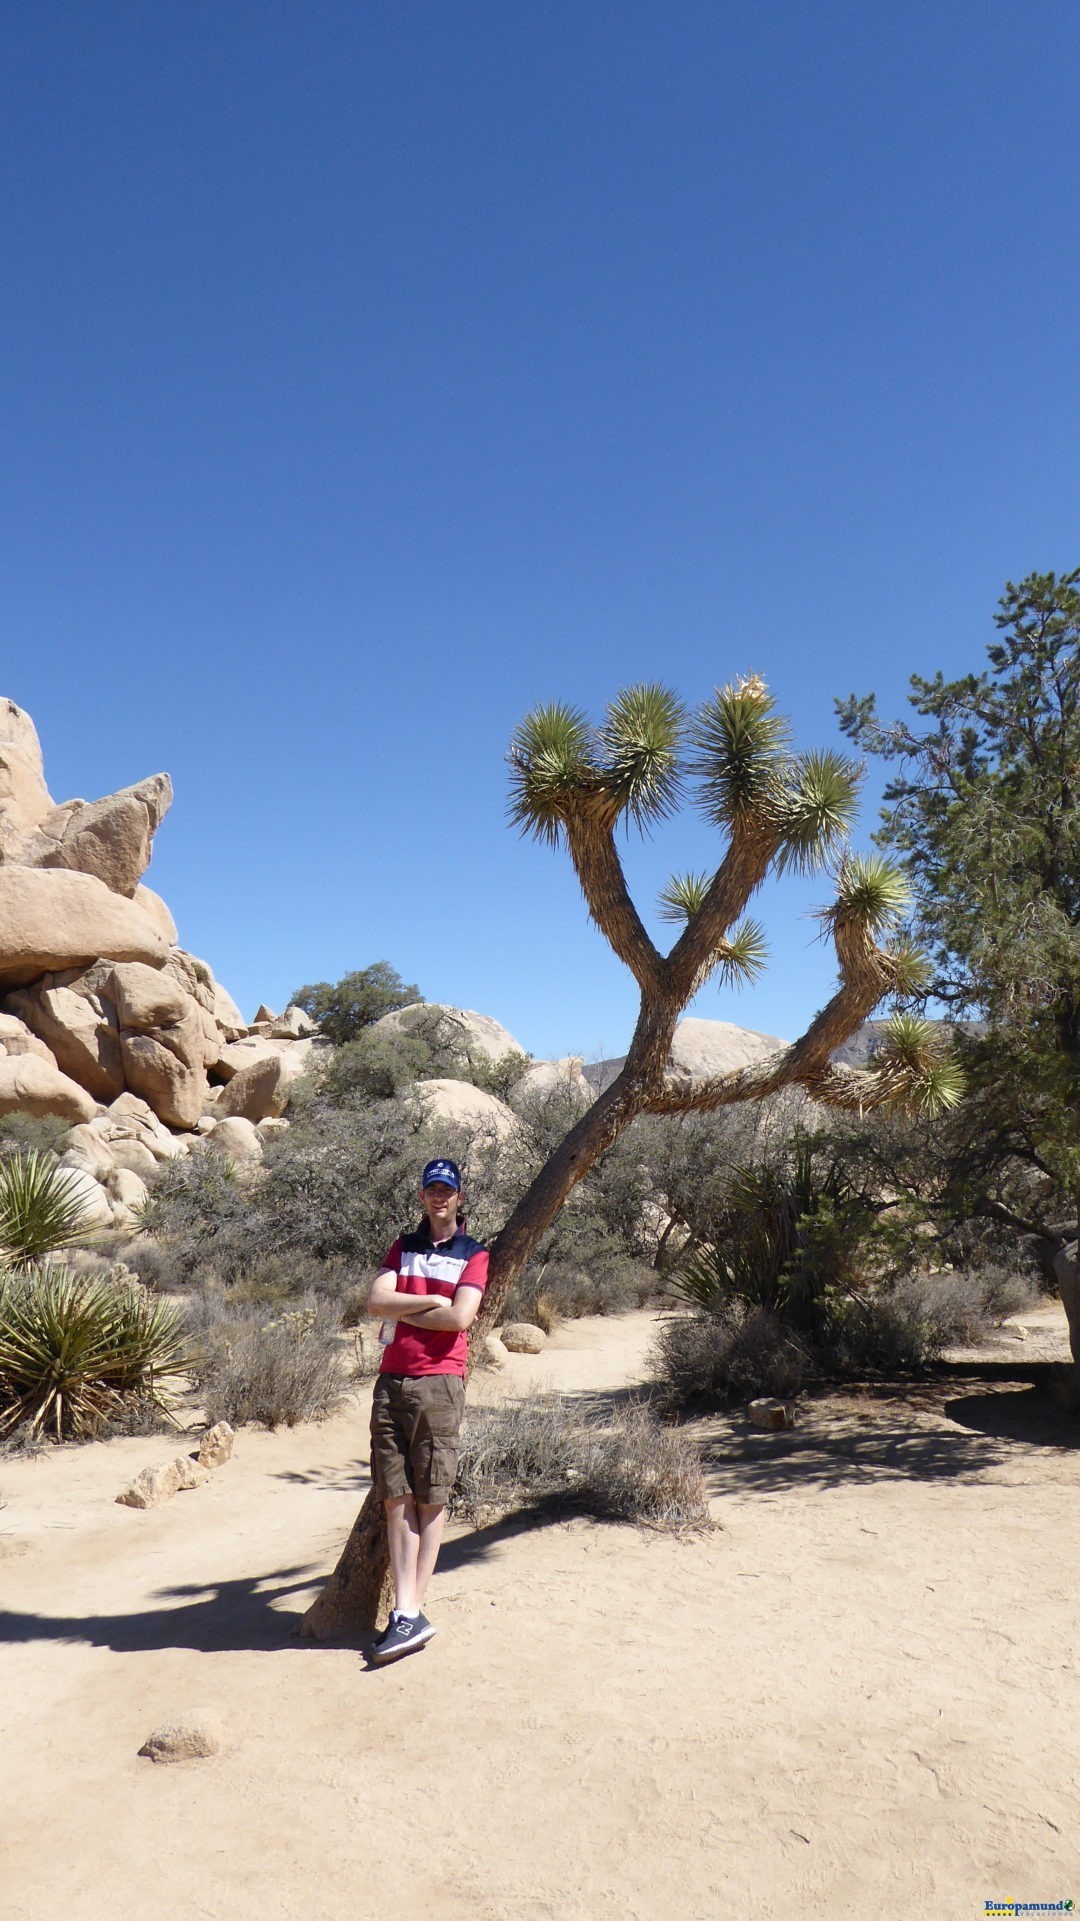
column 858, row 1697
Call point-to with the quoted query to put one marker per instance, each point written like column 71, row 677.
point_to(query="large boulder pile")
column 105, row 1020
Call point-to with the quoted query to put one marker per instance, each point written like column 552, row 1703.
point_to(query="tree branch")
column 865, row 977
column 591, row 840
column 737, row 878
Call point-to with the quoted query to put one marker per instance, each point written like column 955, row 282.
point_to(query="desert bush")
column 344, row 1008
column 709, row 1360
column 35, row 1133
column 80, row 1354
column 39, row 1212
column 555, row 1291
column 538, row 1453
column 271, row 1370
column 961, row 1307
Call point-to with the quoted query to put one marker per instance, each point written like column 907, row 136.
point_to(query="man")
column 427, row 1294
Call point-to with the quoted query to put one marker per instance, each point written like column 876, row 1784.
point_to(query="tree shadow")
column 211, row 1618
column 822, row 1454
column 348, row 1476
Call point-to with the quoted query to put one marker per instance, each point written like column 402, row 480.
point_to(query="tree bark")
column 359, row 1588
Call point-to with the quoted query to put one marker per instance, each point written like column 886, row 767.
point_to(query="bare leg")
column 431, row 1532
column 403, row 1540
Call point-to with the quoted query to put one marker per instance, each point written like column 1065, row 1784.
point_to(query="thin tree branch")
column 737, row 878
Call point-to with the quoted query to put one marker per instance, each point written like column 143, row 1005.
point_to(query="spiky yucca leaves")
column 747, row 776
column 682, row 897
column 913, row 1070
column 740, row 752
column 638, row 747
column 815, row 809
column 40, row 1213
column 551, row 762
column 627, row 767
column 77, row 1353
column 871, row 893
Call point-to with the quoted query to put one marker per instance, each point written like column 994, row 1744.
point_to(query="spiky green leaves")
column 628, row 767
column 76, row 1352
column 743, row 955
column 914, row 1067
column 815, row 809
column 871, row 893
column 740, row 752
column 41, row 1209
column 638, row 748
column 683, row 895
column 551, row 763
column 747, row 776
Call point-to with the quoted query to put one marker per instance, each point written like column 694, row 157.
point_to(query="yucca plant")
column 41, row 1211
column 78, row 1352
column 786, row 1242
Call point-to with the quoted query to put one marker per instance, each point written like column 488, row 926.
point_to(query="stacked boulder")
column 105, row 1020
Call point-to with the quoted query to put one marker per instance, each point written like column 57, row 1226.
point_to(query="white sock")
column 406, row 1614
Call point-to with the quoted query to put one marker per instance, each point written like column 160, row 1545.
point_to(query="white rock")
column 522, row 1337
column 261, row 1091
column 29, row 1085
column 127, row 1188
column 156, row 911
column 702, row 1050
column 16, row 1038
column 477, row 1034
column 51, row 918
column 236, row 1138
column 272, row 1129
column 461, row 1105
column 216, row 1445
column 543, row 1080
column 771, row 1414
column 83, row 1187
column 153, row 1487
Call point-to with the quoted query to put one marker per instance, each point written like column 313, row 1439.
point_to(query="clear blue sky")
column 374, row 372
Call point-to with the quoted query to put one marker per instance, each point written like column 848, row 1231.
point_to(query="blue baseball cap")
column 446, row 1171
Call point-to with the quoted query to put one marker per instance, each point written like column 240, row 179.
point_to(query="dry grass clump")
column 273, row 1370
column 619, row 1465
column 710, row 1359
column 963, row 1306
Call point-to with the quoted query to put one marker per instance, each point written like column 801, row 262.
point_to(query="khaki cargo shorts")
column 415, row 1424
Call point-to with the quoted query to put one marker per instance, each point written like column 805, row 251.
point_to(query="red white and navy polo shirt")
column 422, row 1267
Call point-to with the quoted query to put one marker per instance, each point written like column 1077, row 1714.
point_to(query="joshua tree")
column 573, row 785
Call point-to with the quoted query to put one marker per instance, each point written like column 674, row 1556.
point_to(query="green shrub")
column 79, row 1354
column 343, row 1008
column 542, row 1453
column 39, row 1212
column 271, row 1370
column 709, row 1360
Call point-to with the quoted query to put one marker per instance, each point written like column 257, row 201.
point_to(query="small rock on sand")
column 189, row 1739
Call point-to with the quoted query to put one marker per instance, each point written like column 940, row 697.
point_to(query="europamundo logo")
column 1028, row 1907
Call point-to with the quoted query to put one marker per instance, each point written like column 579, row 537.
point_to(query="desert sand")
column 857, row 1696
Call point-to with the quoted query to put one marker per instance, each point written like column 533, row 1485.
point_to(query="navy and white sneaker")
column 403, row 1635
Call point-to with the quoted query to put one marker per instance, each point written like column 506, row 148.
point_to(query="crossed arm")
column 423, row 1310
